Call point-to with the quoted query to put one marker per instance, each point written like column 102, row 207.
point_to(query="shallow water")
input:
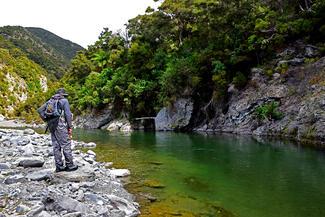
column 216, row 175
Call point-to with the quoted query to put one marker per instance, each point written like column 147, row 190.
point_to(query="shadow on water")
column 175, row 174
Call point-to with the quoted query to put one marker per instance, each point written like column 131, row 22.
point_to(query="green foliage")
column 239, row 80
column 269, row 111
column 191, row 48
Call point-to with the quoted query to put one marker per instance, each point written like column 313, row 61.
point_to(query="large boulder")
column 31, row 162
column 40, row 175
column 175, row 117
column 95, row 119
column 83, row 174
column 54, row 201
column 14, row 179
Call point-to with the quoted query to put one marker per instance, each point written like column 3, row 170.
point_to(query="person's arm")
column 67, row 113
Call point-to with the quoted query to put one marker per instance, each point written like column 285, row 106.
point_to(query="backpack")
column 52, row 109
column 50, row 112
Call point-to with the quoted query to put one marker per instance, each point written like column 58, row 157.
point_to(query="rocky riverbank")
column 30, row 187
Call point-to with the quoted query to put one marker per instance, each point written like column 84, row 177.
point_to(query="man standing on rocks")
column 61, row 133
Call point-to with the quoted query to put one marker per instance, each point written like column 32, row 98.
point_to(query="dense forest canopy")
column 188, row 48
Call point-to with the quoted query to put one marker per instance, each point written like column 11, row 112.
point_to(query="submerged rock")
column 153, row 184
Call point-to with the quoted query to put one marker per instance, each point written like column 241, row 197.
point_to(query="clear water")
column 217, row 175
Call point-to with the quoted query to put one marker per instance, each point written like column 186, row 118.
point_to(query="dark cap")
column 62, row 92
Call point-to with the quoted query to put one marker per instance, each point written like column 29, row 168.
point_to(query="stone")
column 73, row 214
column 292, row 62
column 28, row 150
column 94, row 198
column 90, row 152
column 89, row 160
column 114, row 126
column 123, row 205
column 36, row 210
column 23, row 141
column 2, row 118
column 175, row 117
column 31, row 162
column 120, row 172
column 40, row 175
column 83, row 174
column 232, row 89
column 74, row 187
column 44, row 214
column 126, row 127
column 4, row 166
column 149, row 197
column 276, row 75
column 257, row 71
column 311, row 51
column 287, row 53
column 29, row 131
column 21, row 209
column 103, row 211
column 72, row 205
column 90, row 145
column 14, row 179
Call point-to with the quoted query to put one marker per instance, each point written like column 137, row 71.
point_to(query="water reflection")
column 249, row 176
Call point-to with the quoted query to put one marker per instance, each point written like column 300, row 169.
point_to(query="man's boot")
column 59, row 169
column 71, row 168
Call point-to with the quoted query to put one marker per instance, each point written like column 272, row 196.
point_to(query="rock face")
column 175, row 117
column 95, row 119
column 30, row 187
column 300, row 92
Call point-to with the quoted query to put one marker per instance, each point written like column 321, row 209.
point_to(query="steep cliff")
column 285, row 97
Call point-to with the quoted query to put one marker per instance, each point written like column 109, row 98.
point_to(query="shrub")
column 269, row 111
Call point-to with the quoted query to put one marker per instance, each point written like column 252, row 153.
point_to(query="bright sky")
column 80, row 21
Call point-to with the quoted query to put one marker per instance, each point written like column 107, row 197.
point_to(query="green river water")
column 216, row 175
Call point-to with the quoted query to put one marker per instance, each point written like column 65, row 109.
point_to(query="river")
column 216, row 175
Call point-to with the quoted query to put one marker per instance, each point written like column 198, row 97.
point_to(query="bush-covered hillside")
column 20, row 78
column 48, row 50
column 66, row 48
column 190, row 48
